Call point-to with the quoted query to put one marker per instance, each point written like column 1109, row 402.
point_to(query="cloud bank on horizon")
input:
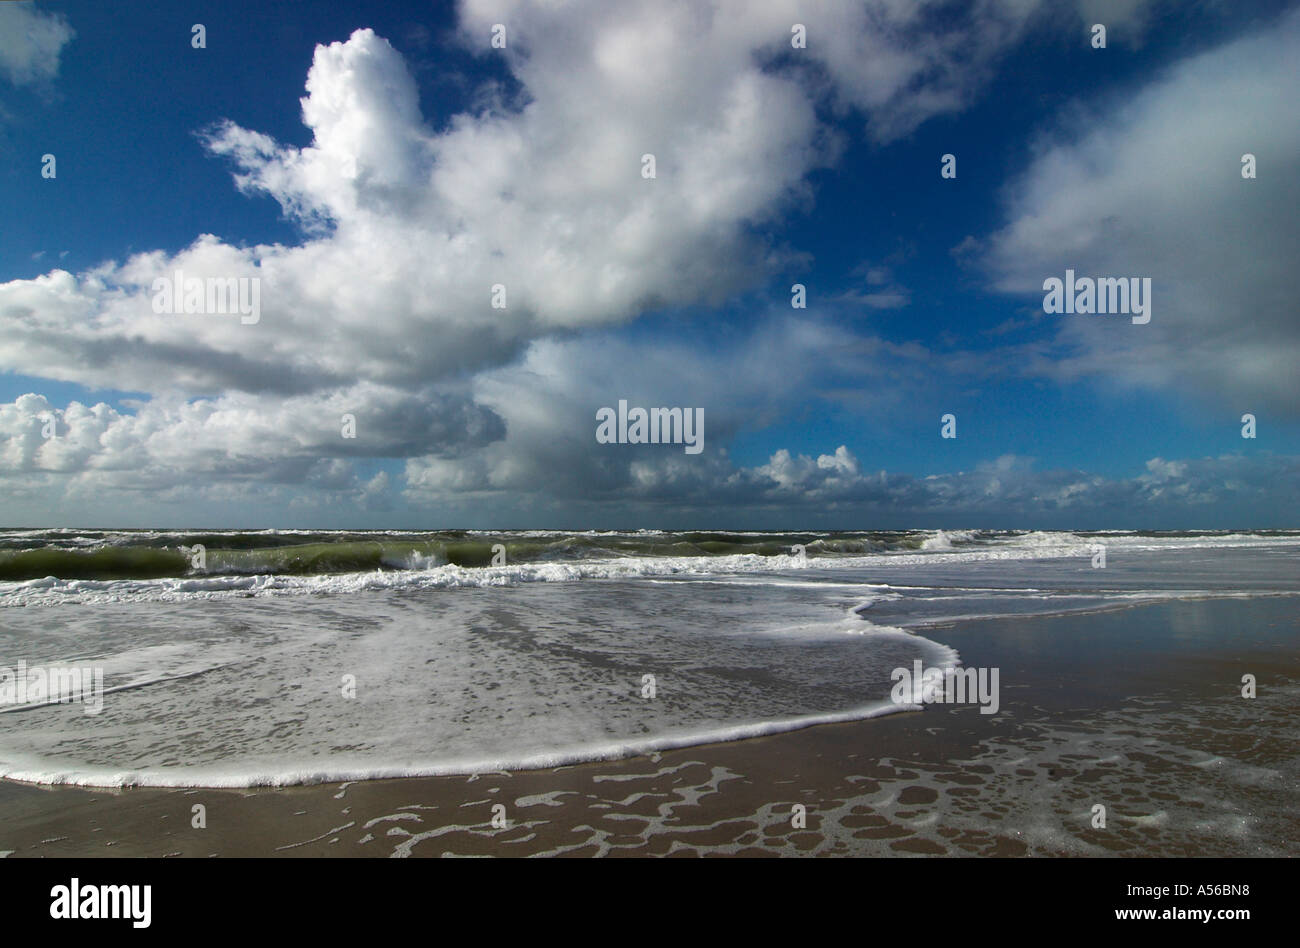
column 476, row 406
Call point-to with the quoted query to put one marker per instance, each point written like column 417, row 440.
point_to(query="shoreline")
column 1134, row 710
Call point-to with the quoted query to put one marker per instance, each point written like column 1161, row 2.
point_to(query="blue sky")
column 379, row 170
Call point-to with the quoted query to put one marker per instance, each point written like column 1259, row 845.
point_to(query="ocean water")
column 306, row 656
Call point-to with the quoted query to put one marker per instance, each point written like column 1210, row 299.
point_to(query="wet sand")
column 1139, row 711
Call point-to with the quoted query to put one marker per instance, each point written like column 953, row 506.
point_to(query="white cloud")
column 237, row 437
column 1151, row 186
column 31, row 42
column 410, row 227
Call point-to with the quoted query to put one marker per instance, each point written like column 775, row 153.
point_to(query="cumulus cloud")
column 413, row 230
column 31, row 42
column 407, row 229
column 236, row 437
column 1150, row 185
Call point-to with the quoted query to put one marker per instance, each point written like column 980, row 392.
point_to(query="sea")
column 235, row 658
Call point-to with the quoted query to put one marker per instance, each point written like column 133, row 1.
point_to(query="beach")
column 1138, row 710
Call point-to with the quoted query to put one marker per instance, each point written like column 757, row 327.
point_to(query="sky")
column 460, row 257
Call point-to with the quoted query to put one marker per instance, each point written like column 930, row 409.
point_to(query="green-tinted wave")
column 100, row 563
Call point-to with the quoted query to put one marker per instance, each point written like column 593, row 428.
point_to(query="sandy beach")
column 1137, row 710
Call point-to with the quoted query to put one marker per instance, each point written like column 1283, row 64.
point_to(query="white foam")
column 943, row 539
column 540, row 675
column 31, row 772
